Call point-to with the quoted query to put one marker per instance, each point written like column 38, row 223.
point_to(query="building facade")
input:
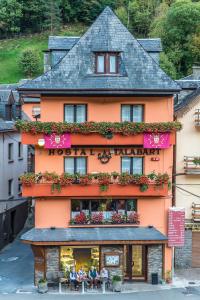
column 187, row 111
column 103, row 157
column 13, row 162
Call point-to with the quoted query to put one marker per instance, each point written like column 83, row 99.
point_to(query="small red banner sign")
column 176, row 227
column 157, row 140
column 57, row 141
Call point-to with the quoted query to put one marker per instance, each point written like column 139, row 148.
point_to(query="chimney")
column 196, row 72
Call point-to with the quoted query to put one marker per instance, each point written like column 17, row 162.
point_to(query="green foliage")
column 178, row 27
column 52, row 16
column 167, row 66
column 10, row 17
column 29, row 62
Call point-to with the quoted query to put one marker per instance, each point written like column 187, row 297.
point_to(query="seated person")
column 82, row 274
column 73, row 278
column 104, row 274
column 93, row 276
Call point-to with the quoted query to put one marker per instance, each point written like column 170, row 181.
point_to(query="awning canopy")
column 100, row 235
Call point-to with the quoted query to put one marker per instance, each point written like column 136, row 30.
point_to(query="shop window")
column 107, row 63
column 74, row 165
column 79, row 257
column 132, row 113
column 107, row 207
column 75, row 113
column 132, row 165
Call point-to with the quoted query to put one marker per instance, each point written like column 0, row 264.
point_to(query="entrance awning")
column 101, row 235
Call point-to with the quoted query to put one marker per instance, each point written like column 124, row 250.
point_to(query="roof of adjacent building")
column 93, row 234
column 187, row 100
column 138, row 72
column 67, row 42
column 7, row 126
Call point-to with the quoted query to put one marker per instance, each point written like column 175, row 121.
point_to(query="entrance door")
column 136, row 262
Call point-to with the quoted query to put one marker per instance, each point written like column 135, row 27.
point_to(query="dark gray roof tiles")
column 93, row 234
column 62, row 42
column 137, row 70
column 187, row 100
column 67, row 42
column 7, row 126
column 188, row 84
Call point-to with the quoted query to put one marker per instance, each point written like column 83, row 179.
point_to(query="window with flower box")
column 132, row 113
column 75, row 165
column 104, row 211
column 132, row 165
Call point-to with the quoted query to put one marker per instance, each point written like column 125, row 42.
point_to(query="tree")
column 29, row 62
column 33, row 15
column 52, row 20
column 137, row 15
column 179, row 27
column 10, row 16
column 167, row 66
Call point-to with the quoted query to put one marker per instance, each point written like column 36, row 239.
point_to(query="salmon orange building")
column 103, row 157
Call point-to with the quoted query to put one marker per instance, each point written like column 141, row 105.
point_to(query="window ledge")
column 103, row 225
column 10, row 197
column 11, row 161
column 20, row 158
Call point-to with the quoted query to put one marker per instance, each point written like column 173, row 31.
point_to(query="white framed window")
column 74, row 165
column 132, row 113
column 132, row 165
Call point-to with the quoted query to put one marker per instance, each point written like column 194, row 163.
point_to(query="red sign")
column 176, row 227
column 57, row 141
column 157, row 140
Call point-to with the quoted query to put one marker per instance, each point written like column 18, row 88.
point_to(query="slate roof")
column 94, row 234
column 138, row 72
column 187, row 100
column 66, row 43
column 7, row 126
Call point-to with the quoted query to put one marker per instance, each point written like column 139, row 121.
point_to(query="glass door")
column 135, row 262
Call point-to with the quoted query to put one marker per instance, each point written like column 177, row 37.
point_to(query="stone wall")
column 154, row 261
column 52, row 259
column 183, row 255
column 113, row 250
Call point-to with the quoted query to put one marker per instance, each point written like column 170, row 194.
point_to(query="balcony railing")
column 197, row 117
column 192, row 165
column 94, row 185
column 195, row 212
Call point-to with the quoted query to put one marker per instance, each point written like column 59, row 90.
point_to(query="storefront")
column 132, row 253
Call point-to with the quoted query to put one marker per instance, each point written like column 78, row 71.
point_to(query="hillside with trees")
column 22, row 26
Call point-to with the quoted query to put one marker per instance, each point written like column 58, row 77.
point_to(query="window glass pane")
column 76, row 207
column 95, row 204
column 100, row 64
column 80, row 113
column 81, row 165
column 10, row 151
column 137, row 165
column 126, row 161
column 131, row 205
column 86, row 207
column 69, row 165
column 126, row 112
column 137, row 113
column 69, row 113
column 113, row 64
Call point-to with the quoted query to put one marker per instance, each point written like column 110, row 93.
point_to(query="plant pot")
column 117, row 286
column 42, row 287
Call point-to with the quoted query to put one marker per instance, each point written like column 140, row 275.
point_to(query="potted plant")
column 114, row 175
column 66, row 179
column 196, row 161
column 117, row 218
column 104, row 179
column 124, row 178
column 80, row 218
column 42, row 286
column 117, row 283
column 85, row 179
column 168, row 276
column 133, row 218
column 97, row 218
column 143, row 182
column 28, row 179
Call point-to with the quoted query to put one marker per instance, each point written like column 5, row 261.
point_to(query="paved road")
column 177, row 294
column 16, row 267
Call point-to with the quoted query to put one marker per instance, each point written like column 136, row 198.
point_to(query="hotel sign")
column 176, row 227
column 110, row 152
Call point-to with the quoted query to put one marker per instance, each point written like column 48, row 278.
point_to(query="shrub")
column 29, row 62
